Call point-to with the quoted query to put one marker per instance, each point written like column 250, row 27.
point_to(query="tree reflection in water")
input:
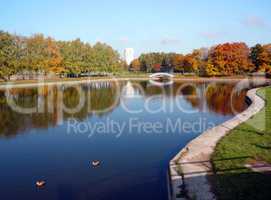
column 100, row 96
column 222, row 99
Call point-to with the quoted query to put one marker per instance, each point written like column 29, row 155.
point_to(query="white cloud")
column 254, row 21
column 124, row 40
column 210, row 35
column 170, row 41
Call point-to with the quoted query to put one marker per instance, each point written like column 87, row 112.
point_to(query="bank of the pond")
column 24, row 84
column 31, row 83
column 132, row 76
column 192, row 169
column 242, row 159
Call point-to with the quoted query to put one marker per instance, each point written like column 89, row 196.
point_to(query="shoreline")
column 33, row 83
column 190, row 168
column 60, row 82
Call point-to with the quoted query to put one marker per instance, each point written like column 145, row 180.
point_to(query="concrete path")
column 190, row 168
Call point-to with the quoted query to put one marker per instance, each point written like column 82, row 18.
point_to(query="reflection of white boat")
column 128, row 90
column 161, row 76
column 159, row 83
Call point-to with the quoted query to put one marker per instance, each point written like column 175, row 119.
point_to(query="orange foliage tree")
column 231, row 58
column 135, row 65
column 261, row 57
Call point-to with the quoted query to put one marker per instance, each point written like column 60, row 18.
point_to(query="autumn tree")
column 54, row 57
column 261, row 57
column 151, row 60
column 208, row 69
column 135, row 65
column 189, row 63
column 231, row 58
column 42, row 54
column 176, row 62
column 200, row 57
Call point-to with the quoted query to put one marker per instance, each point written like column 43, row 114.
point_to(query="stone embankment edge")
column 72, row 82
column 17, row 84
column 190, row 168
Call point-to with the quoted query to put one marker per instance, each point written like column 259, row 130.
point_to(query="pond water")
column 133, row 128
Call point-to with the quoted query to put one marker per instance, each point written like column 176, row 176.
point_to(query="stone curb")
column 194, row 159
column 3, row 85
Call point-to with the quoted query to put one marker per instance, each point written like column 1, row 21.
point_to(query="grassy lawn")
column 248, row 143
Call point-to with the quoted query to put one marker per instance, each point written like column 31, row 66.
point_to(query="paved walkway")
column 193, row 162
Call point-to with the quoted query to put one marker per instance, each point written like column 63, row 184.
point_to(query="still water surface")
column 43, row 145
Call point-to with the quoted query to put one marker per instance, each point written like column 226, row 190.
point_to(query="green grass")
column 248, row 142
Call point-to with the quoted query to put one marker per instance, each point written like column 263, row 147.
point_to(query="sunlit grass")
column 251, row 141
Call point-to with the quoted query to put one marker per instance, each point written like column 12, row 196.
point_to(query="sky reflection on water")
column 134, row 166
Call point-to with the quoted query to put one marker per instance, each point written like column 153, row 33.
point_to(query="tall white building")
column 129, row 55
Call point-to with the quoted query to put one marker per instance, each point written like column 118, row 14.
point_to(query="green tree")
column 8, row 55
column 105, row 58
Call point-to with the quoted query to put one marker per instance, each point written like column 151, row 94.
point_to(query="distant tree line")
column 21, row 55
column 42, row 54
column 221, row 60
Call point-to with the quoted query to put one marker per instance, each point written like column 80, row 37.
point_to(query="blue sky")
column 145, row 25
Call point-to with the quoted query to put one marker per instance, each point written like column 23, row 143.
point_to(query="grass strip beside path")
column 248, row 143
